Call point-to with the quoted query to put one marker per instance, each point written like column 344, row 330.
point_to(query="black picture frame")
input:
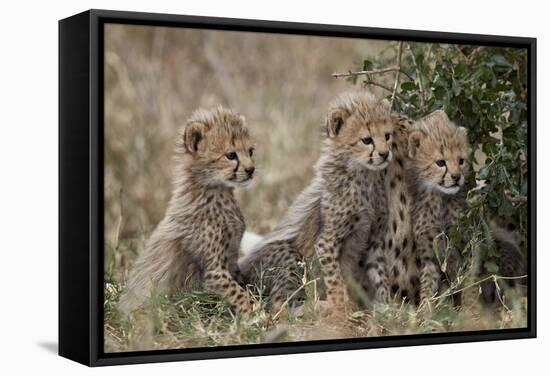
column 81, row 186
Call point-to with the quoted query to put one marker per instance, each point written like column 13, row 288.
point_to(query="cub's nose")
column 455, row 177
column 384, row 154
column 249, row 170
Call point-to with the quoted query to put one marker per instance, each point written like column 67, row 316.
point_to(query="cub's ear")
column 192, row 135
column 400, row 121
column 462, row 131
column 335, row 120
column 416, row 137
column 462, row 134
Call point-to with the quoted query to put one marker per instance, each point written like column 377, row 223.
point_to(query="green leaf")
column 498, row 59
column 408, row 86
column 484, row 172
column 367, row 64
column 461, row 69
column 457, row 88
column 491, row 267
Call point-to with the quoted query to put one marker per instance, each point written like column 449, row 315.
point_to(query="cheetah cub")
column 430, row 164
column 439, row 155
column 196, row 243
column 395, row 240
column 341, row 207
column 424, row 200
column 439, row 152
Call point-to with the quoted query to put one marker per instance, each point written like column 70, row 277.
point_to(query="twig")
column 369, row 82
column 472, row 56
column 494, row 277
column 495, row 281
column 112, row 332
column 418, row 76
column 373, row 71
column 515, row 199
column 457, row 47
column 397, row 75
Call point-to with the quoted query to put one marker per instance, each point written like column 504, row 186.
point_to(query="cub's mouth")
column 449, row 186
column 377, row 164
column 450, row 190
column 241, row 180
column 380, row 166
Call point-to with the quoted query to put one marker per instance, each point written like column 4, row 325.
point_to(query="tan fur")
column 337, row 213
column 437, row 205
column 397, row 244
column 418, row 209
column 422, row 204
column 196, row 243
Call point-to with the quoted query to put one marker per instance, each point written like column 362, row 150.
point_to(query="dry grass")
column 200, row 319
column 154, row 79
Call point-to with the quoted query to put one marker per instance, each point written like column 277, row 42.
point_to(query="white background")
column 28, row 185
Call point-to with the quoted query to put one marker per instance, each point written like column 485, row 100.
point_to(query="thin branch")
column 469, row 59
column 495, row 281
column 515, row 198
column 473, row 55
column 418, row 76
column 373, row 71
column 397, row 75
column 493, row 277
column 462, row 54
column 373, row 83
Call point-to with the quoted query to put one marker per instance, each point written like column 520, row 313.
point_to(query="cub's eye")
column 251, row 152
column 461, row 161
column 387, row 135
column 231, row 155
column 440, row 162
column 367, row 140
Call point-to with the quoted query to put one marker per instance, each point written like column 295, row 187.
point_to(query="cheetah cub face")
column 219, row 148
column 439, row 151
column 360, row 126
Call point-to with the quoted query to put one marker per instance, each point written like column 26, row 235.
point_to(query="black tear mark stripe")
column 444, row 174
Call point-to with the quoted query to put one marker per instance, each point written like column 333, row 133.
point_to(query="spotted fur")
column 397, row 244
column 196, row 243
column 439, row 153
column 426, row 204
column 341, row 207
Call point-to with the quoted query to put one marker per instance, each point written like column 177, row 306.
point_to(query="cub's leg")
column 214, row 245
column 284, row 277
column 428, row 269
column 328, row 248
column 276, row 267
column 376, row 272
